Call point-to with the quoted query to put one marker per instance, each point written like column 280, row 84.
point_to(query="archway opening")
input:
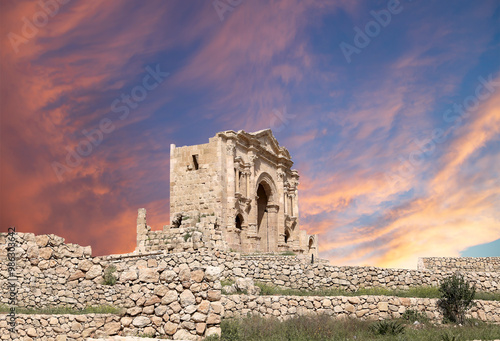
column 311, row 243
column 262, row 202
column 287, row 236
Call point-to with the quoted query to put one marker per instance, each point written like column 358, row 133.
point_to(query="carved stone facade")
column 245, row 180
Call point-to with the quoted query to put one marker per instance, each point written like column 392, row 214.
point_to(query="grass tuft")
column 417, row 292
column 109, row 277
column 227, row 282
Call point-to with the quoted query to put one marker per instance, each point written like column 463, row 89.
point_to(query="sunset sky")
column 390, row 110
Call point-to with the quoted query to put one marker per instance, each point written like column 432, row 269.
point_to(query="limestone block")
column 170, row 296
column 94, row 271
column 127, row 276
column 42, row 240
column 112, row 328
column 76, row 275
column 85, row 265
column 187, row 298
column 141, row 321
column 212, row 273
column 170, row 328
column 183, row 334
column 148, row 275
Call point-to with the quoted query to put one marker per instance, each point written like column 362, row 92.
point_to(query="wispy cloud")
column 347, row 125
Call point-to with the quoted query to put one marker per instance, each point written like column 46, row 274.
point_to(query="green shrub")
column 187, row 236
column 457, row 296
column 288, row 253
column 387, row 328
column 109, row 277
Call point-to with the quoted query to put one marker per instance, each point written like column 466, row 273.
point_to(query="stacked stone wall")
column 175, row 295
column 362, row 307
column 63, row 327
column 297, row 273
column 194, row 234
column 179, row 294
column 470, row 264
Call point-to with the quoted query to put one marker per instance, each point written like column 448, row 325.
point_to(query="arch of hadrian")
column 246, row 181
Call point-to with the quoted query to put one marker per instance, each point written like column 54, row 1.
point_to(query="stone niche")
column 246, row 183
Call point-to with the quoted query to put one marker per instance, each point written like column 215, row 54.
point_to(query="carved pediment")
column 262, row 139
column 267, row 141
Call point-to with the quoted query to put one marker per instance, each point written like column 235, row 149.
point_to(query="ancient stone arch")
column 265, row 180
column 312, row 245
column 241, row 175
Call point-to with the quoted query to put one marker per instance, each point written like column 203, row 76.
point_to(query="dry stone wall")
column 362, row 307
column 470, row 264
column 178, row 295
column 63, row 327
column 296, row 273
column 196, row 233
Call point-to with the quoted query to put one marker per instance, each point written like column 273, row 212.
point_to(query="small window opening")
column 195, row 162
column 287, row 236
column 238, row 221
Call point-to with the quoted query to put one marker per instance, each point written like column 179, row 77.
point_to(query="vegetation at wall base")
column 327, row 328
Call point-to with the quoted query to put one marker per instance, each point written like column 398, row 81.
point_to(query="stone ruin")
column 237, row 192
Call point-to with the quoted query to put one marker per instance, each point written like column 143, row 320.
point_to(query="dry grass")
column 418, row 292
column 326, row 328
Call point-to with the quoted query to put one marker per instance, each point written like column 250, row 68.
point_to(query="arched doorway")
column 262, row 202
column 311, row 244
column 267, row 213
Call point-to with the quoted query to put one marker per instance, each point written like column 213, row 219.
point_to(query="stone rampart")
column 196, row 233
column 362, row 307
column 174, row 295
column 63, row 327
column 180, row 293
column 467, row 264
column 295, row 273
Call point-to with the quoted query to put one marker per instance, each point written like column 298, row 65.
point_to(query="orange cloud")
column 49, row 95
column 450, row 215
